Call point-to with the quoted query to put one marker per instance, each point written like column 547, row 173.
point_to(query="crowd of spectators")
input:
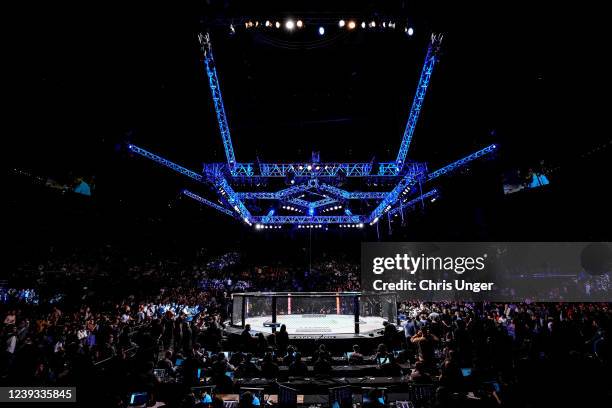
column 110, row 320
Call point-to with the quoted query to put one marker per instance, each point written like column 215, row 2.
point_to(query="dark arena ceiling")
column 89, row 80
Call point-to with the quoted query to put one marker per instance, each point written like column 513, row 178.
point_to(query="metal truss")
column 164, row 162
column 306, row 176
column 215, row 90
column 228, row 192
column 388, row 169
column 316, row 169
column 243, row 170
column 353, row 195
column 208, row 202
column 323, row 202
column 306, row 219
column 409, row 204
column 419, row 97
column 274, row 195
column 385, row 205
column 455, row 165
column 300, row 202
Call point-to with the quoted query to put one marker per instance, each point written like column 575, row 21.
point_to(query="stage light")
column 309, row 167
column 299, row 24
column 341, row 23
column 277, row 24
column 311, row 211
column 384, row 25
column 289, row 25
column 363, row 24
column 360, row 225
column 372, row 24
column 292, row 181
column 321, row 31
column 351, row 25
column 268, row 23
column 410, row 31
column 232, row 29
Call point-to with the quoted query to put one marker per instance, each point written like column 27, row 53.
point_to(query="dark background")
column 85, row 79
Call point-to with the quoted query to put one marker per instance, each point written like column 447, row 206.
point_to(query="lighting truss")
column 392, row 197
column 307, row 219
column 316, row 169
column 215, row 90
column 208, row 202
column 167, row 163
column 353, row 195
column 277, row 195
column 419, row 97
column 323, row 179
column 409, row 204
column 313, row 204
column 455, row 165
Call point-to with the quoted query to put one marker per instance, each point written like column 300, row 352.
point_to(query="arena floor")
column 317, row 324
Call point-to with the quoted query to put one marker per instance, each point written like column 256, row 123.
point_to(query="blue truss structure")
column 461, row 162
column 353, row 195
column 313, row 185
column 164, row 162
column 405, row 204
column 208, row 203
column 313, row 204
column 419, row 97
column 215, row 90
column 307, row 219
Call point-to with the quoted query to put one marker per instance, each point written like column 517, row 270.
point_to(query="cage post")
column 273, row 314
column 244, row 311
column 356, row 307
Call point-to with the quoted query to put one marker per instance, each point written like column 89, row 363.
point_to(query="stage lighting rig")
column 315, row 192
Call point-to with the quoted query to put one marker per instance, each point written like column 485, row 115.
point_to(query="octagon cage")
column 312, row 313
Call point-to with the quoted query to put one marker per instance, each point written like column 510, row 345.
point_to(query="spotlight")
column 341, row 23
column 277, row 24
column 321, row 31
column 299, row 24
column 268, row 23
column 309, row 167
column 351, row 25
column 292, row 181
column 372, row 24
column 289, row 25
column 410, row 31
column 363, row 24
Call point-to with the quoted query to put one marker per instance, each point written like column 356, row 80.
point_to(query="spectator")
column 298, row 368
